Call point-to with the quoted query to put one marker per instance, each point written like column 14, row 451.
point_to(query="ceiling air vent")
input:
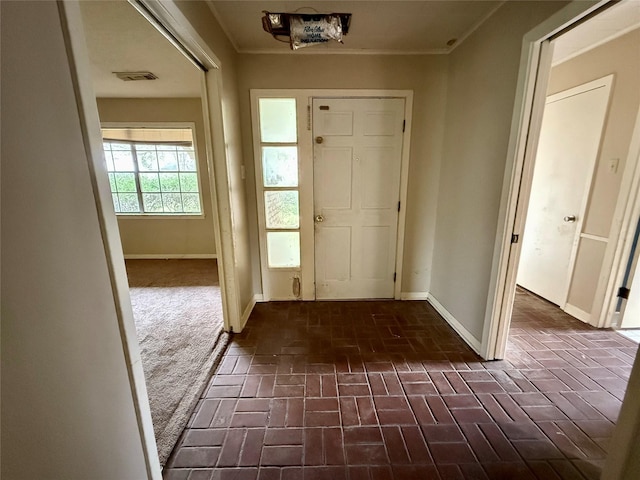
column 133, row 76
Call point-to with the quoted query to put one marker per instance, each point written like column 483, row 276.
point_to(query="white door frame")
column 535, row 66
column 305, row 143
column 623, row 225
column 604, row 82
column 170, row 18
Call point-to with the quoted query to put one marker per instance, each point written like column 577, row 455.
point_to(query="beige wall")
column 67, row 404
column 622, row 58
column 165, row 235
column 483, row 74
column 206, row 25
column 425, row 75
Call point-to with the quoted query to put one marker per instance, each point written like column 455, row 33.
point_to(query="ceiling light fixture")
column 302, row 29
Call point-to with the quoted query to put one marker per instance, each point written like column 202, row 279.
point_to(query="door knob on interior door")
column 319, row 219
column 570, row 218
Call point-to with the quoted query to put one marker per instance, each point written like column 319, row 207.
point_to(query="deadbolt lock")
column 319, row 139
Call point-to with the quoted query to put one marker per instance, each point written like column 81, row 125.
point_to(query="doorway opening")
column 592, row 69
column 152, row 114
column 331, row 182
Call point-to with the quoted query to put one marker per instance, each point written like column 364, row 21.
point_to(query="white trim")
column 476, row 25
column 455, row 324
column 343, row 51
column 159, row 126
column 79, row 66
column 622, row 231
column 599, row 43
column 414, row 295
column 223, row 25
column 169, row 18
column 169, row 256
column 535, row 64
column 247, row 312
column 305, row 135
column 577, row 313
column 404, row 189
column 597, row 238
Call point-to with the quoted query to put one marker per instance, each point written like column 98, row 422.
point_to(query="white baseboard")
column 577, row 313
column 455, row 324
column 414, row 295
column 247, row 311
column 167, row 256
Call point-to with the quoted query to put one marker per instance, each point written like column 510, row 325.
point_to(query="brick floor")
column 386, row 390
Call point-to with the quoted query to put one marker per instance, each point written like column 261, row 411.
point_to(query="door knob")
column 570, row 218
column 319, row 219
column 319, row 139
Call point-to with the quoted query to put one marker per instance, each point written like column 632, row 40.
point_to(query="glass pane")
column 280, row 166
column 129, row 203
column 116, row 202
column 120, row 146
column 187, row 161
column 172, row 202
column 191, row 202
column 147, row 161
column 283, row 249
column 149, row 182
column 123, row 161
column 168, row 161
column 278, row 120
column 144, row 147
column 152, row 202
column 188, row 182
column 169, row 182
column 125, row 182
column 281, row 209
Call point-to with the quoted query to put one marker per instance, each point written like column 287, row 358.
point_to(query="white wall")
column 205, row 24
column 483, row 73
column 67, row 405
column 165, row 235
column 425, row 75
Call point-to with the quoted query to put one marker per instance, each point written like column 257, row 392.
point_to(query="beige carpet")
column 178, row 315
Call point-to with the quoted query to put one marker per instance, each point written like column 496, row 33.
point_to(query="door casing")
column 276, row 282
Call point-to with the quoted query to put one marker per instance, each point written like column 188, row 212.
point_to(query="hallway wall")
column 68, row 409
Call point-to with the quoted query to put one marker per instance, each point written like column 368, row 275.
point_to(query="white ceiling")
column 613, row 22
column 119, row 39
column 377, row 26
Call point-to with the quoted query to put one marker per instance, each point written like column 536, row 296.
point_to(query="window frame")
column 161, row 215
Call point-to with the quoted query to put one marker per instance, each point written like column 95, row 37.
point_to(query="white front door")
column 568, row 147
column 357, row 160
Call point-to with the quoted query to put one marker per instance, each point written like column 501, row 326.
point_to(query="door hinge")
column 398, row 206
column 404, row 124
column 515, row 238
column 623, row 292
column 394, row 277
column 309, row 117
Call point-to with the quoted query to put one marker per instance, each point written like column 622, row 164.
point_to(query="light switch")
column 613, row 165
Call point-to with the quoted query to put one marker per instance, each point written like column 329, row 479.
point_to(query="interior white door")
column 568, row 147
column 357, row 159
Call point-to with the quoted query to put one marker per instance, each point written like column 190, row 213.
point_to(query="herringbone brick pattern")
column 387, row 390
